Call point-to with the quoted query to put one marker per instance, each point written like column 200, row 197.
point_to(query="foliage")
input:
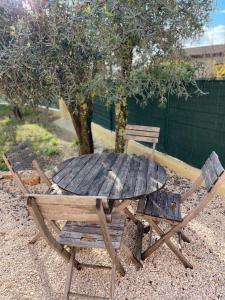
column 113, row 48
column 219, row 71
column 51, row 55
column 138, row 37
column 34, row 128
column 38, row 136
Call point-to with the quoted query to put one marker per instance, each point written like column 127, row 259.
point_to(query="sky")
column 214, row 31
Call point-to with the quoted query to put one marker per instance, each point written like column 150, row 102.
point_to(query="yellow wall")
column 63, row 109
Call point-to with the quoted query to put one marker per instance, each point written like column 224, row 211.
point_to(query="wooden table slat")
column 151, row 177
column 84, row 186
column 111, row 176
column 73, row 172
column 82, row 173
column 141, row 182
column 130, row 184
column 63, row 165
column 101, row 176
column 70, row 169
column 117, row 188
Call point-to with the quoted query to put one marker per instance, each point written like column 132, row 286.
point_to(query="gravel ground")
column 37, row 272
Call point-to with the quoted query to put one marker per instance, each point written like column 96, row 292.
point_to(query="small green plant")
column 38, row 136
column 3, row 166
column 54, row 142
column 51, row 150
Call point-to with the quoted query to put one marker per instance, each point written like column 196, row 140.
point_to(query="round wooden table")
column 116, row 176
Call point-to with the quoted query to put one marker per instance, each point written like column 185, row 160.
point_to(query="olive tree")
column 9, row 14
column 52, row 54
column 138, row 37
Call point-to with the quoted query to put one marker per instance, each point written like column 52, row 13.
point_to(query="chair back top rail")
column 143, row 128
column 212, row 170
column 69, row 208
column 20, row 157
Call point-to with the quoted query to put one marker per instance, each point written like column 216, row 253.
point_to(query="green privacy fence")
column 190, row 129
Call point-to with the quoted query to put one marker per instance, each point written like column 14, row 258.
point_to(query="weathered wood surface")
column 164, row 205
column 211, row 170
column 142, row 128
column 20, row 157
column 115, row 176
column 142, row 133
column 89, row 235
column 138, row 244
column 73, row 208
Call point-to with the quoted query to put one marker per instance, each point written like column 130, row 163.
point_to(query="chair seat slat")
column 86, row 234
column 164, row 205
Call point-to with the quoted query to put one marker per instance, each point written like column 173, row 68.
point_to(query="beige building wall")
column 210, row 60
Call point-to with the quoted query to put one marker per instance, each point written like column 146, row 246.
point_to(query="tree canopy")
column 138, row 37
column 110, row 48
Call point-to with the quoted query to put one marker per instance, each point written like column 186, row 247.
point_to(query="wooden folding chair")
column 142, row 134
column 86, row 227
column 20, row 158
column 165, row 206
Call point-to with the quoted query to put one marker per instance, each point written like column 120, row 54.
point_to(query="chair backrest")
column 212, row 170
column 213, row 175
column 69, row 208
column 22, row 157
column 142, row 134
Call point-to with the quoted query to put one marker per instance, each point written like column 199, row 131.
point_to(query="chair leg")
column 69, row 275
column 130, row 215
column 35, row 238
column 112, row 285
column 151, row 249
column 138, row 244
column 137, row 263
column 54, row 226
column 180, row 241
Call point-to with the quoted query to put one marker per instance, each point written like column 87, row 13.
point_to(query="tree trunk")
column 81, row 117
column 121, row 122
column 17, row 113
column 126, row 54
